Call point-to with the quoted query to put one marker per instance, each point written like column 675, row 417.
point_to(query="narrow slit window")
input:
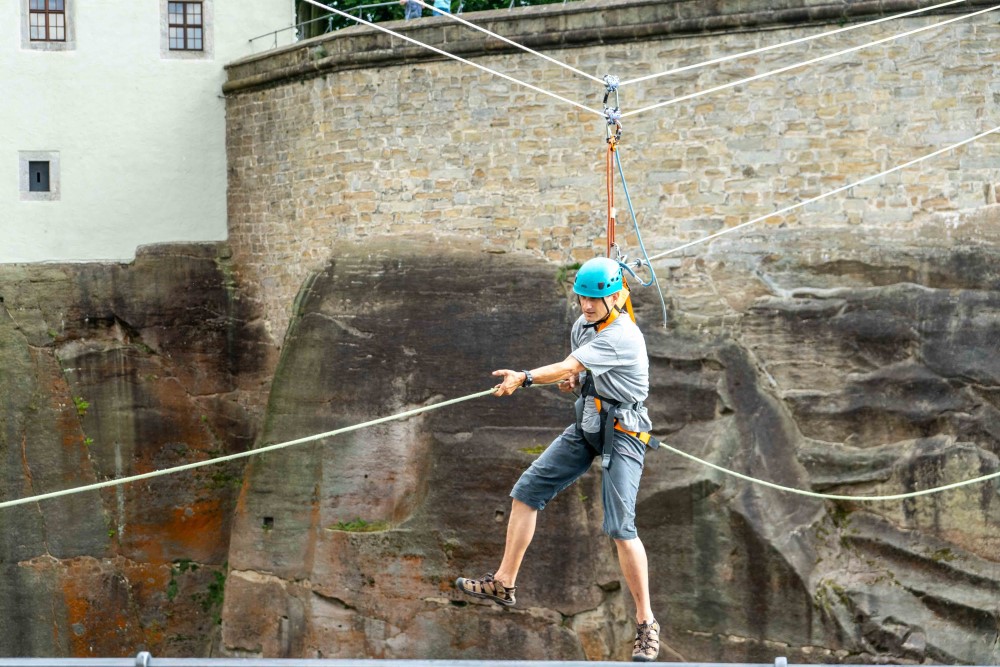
column 185, row 26
column 47, row 20
column 38, row 176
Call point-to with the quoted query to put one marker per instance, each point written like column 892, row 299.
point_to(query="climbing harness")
column 608, row 409
column 600, row 278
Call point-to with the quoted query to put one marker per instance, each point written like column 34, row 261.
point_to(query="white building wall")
column 138, row 134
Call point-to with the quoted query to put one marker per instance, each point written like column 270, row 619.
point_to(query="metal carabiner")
column 613, row 115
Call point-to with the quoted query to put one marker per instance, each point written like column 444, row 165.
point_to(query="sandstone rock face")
column 384, row 329
column 813, row 360
column 110, row 371
column 846, row 347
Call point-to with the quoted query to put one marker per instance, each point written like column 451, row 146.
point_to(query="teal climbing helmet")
column 598, row 277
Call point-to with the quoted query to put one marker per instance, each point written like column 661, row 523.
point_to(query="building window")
column 186, row 29
column 47, row 20
column 38, row 176
column 185, row 25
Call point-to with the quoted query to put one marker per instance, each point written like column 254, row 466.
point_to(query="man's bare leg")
column 500, row 587
column 520, row 530
column 632, row 558
column 635, row 568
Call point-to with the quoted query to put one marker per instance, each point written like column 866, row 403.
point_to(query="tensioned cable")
column 240, row 455
column 811, row 61
column 800, row 40
column 817, row 198
column 435, row 406
column 410, row 413
column 638, row 236
column 833, row 496
column 454, row 57
column 459, row 19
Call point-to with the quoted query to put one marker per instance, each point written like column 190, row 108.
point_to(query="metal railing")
column 273, row 35
column 329, row 19
column 145, row 659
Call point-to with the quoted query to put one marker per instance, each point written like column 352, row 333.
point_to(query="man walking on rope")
column 610, row 352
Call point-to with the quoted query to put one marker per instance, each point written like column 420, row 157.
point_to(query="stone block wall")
column 359, row 135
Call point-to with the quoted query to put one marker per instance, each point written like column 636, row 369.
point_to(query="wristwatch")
column 528, row 380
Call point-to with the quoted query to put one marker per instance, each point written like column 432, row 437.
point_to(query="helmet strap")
column 622, row 303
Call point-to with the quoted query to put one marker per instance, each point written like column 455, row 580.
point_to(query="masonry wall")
column 357, row 135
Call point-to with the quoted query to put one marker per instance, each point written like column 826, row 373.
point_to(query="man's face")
column 596, row 308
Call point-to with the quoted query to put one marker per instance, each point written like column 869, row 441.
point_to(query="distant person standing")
column 413, row 9
column 442, row 6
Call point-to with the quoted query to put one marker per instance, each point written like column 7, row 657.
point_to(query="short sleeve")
column 599, row 355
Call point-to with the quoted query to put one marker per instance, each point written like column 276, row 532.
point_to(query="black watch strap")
column 528, row 380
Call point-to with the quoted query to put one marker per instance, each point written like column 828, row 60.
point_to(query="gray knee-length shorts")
column 569, row 457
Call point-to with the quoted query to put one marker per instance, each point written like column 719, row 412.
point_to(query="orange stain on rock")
column 98, row 606
column 196, row 531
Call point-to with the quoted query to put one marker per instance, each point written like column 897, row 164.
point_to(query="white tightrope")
column 459, row 19
column 240, row 455
column 833, row 496
column 811, row 61
column 730, row 230
column 793, row 42
column 434, row 406
column 454, row 57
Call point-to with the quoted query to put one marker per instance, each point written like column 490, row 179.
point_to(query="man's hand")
column 511, row 381
column 570, row 383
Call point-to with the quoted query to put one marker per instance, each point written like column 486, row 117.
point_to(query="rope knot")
column 611, row 83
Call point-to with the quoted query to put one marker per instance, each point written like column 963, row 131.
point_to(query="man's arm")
column 567, row 369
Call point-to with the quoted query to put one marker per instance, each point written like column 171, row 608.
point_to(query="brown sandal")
column 647, row 642
column 487, row 588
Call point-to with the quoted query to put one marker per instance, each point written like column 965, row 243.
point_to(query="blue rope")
column 642, row 246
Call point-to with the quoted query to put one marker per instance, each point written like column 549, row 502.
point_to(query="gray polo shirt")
column 616, row 358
